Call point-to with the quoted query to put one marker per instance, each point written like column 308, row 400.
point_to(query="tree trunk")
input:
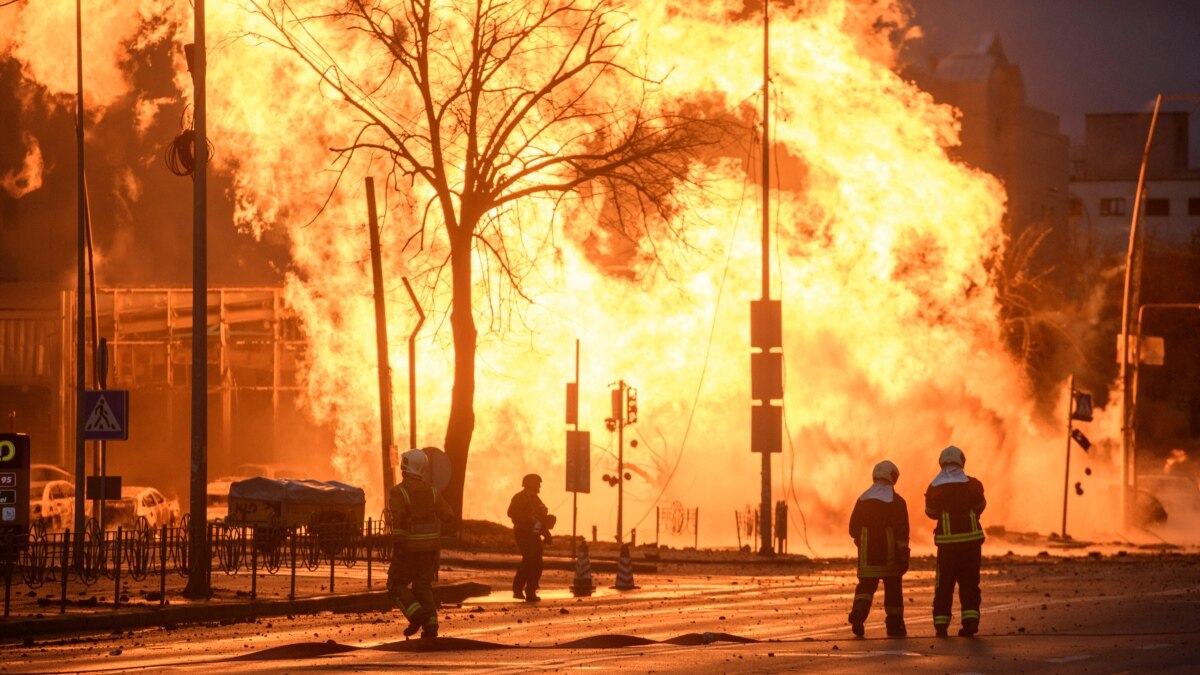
column 461, row 425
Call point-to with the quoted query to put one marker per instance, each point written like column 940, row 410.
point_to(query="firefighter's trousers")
column 893, row 600
column 957, row 564
column 529, row 572
column 418, row 570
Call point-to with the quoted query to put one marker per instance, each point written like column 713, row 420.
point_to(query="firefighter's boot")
column 895, row 626
column 417, row 616
column 969, row 628
column 858, row 614
column 857, row 619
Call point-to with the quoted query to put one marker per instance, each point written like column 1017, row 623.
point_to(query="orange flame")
column 892, row 342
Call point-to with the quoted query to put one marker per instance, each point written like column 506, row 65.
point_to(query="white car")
column 41, row 474
column 218, row 497
column 55, row 504
column 141, row 502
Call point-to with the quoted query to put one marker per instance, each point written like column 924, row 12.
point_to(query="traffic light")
column 631, row 406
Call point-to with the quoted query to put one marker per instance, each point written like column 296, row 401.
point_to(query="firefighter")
column 417, row 511
column 879, row 526
column 531, row 524
column 955, row 500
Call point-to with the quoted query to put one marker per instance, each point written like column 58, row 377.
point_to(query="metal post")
column 619, row 413
column 1128, row 301
column 412, row 364
column 369, row 528
column 162, row 567
column 199, row 583
column 765, row 510
column 81, row 284
column 696, row 531
column 1067, row 470
column 292, row 591
column 386, row 434
column 574, row 494
column 116, row 568
column 253, row 567
column 66, row 543
column 9, row 545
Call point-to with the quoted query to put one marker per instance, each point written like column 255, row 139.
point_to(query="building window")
column 1158, row 207
column 1113, row 206
column 1194, row 206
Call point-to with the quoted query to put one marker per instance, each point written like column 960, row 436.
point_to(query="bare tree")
column 492, row 102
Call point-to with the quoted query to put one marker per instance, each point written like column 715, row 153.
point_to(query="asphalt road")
column 1114, row 614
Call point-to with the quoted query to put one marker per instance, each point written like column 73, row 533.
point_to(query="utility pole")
column 386, row 435
column 766, row 329
column 80, row 292
column 199, row 585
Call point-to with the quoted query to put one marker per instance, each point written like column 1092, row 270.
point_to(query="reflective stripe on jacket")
column 417, row 512
column 956, row 508
column 880, row 529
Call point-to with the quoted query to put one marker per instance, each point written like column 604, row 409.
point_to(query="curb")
column 377, row 601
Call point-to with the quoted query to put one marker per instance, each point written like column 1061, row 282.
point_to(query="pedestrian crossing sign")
column 107, row 415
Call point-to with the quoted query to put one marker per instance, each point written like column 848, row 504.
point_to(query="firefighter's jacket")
column 527, row 512
column 955, row 500
column 880, row 530
column 417, row 514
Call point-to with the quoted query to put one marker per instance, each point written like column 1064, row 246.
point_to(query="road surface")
column 1107, row 614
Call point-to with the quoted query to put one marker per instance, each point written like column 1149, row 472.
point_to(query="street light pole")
column 80, row 294
column 199, row 585
column 1129, row 300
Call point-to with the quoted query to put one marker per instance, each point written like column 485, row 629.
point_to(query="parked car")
column 269, row 471
column 218, row 497
column 141, row 502
column 54, row 503
column 41, row 474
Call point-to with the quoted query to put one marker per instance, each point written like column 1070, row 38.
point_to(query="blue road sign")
column 107, row 415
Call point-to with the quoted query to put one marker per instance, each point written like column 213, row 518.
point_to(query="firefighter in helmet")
column 531, row 525
column 955, row 500
column 879, row 526
column 417, row 512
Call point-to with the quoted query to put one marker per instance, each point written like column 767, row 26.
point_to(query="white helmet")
column 414, row 463
column 952, row 455
column 886, row 471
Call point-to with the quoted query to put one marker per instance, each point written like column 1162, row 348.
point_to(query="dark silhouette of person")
column 955, row 500
column 531, row 524
column 879, row 526
column 417, row 512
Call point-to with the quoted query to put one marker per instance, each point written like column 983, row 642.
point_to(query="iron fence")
column 95, row 557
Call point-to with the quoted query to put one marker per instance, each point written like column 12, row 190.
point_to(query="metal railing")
column 67, row 560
